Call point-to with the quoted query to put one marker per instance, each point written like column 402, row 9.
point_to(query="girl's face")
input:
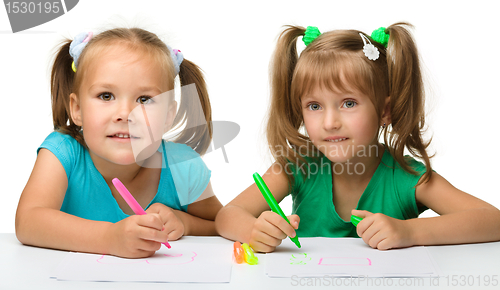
column 341, row 125
column 120, row 105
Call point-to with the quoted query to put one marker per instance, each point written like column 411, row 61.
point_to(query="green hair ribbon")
column 380, row 36
column 312, row 32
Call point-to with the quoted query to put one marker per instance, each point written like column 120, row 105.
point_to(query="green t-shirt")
column 391, row 191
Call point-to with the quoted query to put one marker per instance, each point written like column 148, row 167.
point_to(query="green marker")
column 355, row 220
column 272, row 202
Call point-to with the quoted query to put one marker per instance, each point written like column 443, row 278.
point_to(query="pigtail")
column 195, row 135
column 61, row 80
column 285, row 116
column 407, row 99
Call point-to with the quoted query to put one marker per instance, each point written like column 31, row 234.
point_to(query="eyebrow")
column 102, row 85
column 307, row 98
column 341, row 93
column 111, row 86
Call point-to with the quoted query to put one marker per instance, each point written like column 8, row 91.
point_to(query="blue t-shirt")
column 183, row 179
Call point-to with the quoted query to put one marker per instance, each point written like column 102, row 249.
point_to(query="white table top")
column 475, row 266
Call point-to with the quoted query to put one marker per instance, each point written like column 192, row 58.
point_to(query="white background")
column 459, row 43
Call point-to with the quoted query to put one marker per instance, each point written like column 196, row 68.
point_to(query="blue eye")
column 314, row 107
column 106, row 96
column 144, row 100
column 349, row 104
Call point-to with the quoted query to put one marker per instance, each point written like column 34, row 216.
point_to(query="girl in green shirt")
column 329, row 109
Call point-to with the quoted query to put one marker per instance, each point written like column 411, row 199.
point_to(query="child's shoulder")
column 60, row 141
column 395, row 172
column 413, row 163
column 182, row 157
column 66, row 148
column 59, row 136
column 180, row 152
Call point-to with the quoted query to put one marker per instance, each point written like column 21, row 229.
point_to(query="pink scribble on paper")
column 344, row 261
column 177, row 259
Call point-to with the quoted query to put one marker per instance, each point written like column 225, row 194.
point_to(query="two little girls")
column 329, row 107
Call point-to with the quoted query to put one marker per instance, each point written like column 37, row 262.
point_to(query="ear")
column 75, row 109
column 172, row 112
column 386, row 113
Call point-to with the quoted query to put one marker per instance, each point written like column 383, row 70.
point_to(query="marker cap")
column 355, row 220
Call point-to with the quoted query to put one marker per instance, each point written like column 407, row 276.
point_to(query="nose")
column 332, row 120
column 123, row 111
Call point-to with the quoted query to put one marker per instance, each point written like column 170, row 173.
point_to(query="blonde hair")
column 64, row 82
column 336, row 59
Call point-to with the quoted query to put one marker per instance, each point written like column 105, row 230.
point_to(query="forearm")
column 470, row 226
column 235, row 223
column 50, row 228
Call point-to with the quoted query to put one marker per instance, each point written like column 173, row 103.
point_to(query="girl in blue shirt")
column 112, row 102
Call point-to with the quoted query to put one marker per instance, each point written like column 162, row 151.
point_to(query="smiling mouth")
column 337, row 140
column 123, row 136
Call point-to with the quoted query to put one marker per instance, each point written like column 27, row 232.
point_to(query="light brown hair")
column 64, row 82
column 335, row 59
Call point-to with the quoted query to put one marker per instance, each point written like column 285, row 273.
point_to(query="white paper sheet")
column 184, row 262
column 347, row 257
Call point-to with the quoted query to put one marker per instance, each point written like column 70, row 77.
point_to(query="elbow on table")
column 21, row 228
column 221, row 222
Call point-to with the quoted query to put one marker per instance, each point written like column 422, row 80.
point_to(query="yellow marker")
column 249, row 256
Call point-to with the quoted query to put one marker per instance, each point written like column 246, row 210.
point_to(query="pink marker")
column 134, row 205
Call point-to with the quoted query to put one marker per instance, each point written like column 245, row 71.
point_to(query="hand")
column 173, row 226
column 383, row 232
column 270, row 229
column 136, row 236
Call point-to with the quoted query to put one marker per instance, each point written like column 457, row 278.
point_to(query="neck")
column 110, row 170
column 359, row 168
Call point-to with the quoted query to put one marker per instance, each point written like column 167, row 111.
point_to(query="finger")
column 152, row 209
column 267, row 223
column 152, row 220
column 361, row 213
column 279, row 222
column 266, row 239
column 294, row 221
column 268, row 227
column 385, row 244
column 155, row 208
column 149, row 246
column 139, row 245
column 175, row 235
column 174, row 231
column 173, row 225
column 137, row 254
column 364, row 225
column 263, row 242
column 261, row 247
column 376, row 238
column 167, row 215
column 373, row 234
column 152, row 234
